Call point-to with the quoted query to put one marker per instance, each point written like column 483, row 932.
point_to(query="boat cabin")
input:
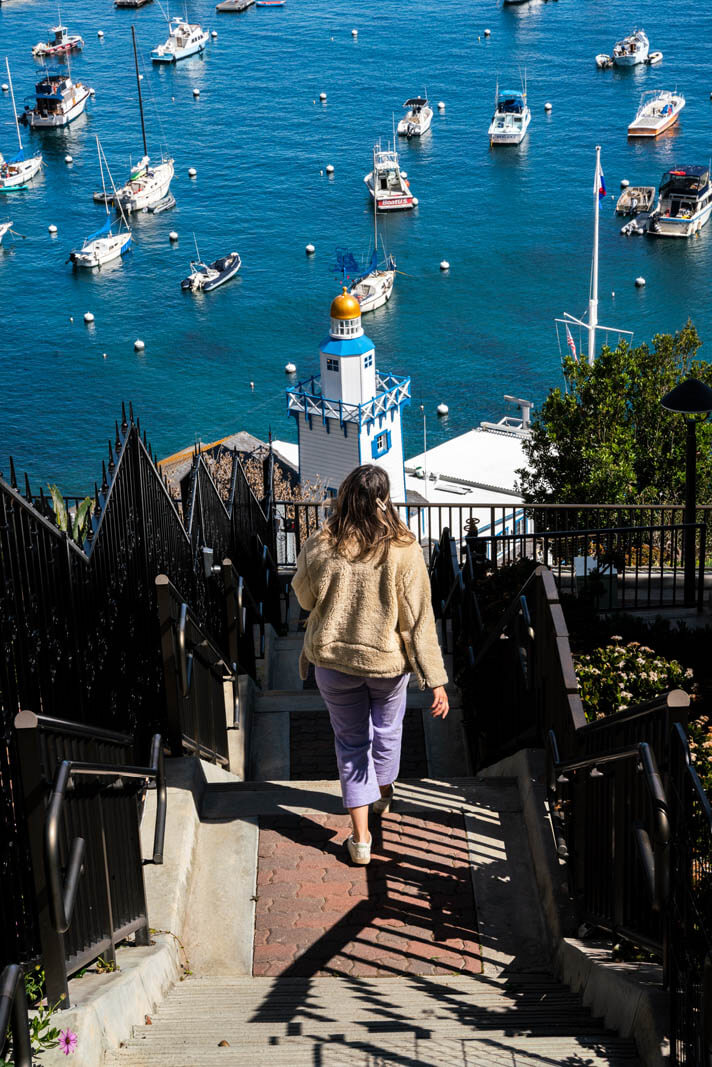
column 61, row 34
column 415, row 104
column 511, row 103
column 50, row 92
column 683, row 187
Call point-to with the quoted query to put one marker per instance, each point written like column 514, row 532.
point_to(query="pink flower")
column 67, row 1041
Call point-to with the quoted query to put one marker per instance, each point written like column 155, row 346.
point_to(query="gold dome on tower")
column 345, row 306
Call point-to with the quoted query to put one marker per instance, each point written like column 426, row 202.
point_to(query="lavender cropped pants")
column 367, row 718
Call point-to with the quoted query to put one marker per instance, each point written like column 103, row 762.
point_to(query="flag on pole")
column 570, row 343
column 599, row 183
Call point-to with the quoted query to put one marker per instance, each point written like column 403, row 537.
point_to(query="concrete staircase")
column 366, row 966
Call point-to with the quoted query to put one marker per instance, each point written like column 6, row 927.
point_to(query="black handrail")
column 62, row 895
column 13, row 1014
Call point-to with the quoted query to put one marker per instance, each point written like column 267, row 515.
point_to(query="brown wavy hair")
column 358, row 526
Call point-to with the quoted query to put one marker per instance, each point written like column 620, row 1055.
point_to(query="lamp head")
column 691, row 397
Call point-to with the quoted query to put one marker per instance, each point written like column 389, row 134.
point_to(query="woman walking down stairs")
column 431, row 954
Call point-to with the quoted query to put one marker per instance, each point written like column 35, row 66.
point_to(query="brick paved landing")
column 411, row 911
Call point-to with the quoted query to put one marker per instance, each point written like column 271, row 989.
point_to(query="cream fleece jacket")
column 368, row 619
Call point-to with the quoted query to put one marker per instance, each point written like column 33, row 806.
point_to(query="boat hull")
column 58, row 50
column 410, row 128
column 234, row 6
column 131, row 3
column 101, row 251
column 374, row 290
column 143, row 192
column 55, row 121
column 22, row 175
column 631, row 60
column 665, row 226
column 647, row 129
column 180, row 53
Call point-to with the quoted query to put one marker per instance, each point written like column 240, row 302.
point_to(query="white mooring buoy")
column 442, row 409
column 547, row 106
column 213, row 34
column 415, row 201
column 139, row 345
column 88, row 317
column 329, row 168
column 68, row 159
column 173, row 235
column 196, row 91
column 100, row 33
column 52, row 229
column 6, row 87
column 404, row 174
column 441, row 105
column 640, row 282
column 354, row 33
column 290, row 368
column 252, row 385
column 487, row 33
column 310, row 250
column 322, row 96
column 192, row 173
column 444, row 265
column 624, row 183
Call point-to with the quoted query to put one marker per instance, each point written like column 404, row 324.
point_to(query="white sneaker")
column 359, row 851
column 382, row 806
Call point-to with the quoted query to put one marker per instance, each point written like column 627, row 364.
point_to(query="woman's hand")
column 440, row 705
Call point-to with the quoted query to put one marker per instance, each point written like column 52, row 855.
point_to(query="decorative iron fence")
column 87, row 888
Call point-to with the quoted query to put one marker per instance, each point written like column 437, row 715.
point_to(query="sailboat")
column 148, row 184
column 590, row 326
column 112, row 240
column 372, row 284
column 18, row 172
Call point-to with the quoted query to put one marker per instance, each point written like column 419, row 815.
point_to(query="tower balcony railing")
column 307, row 398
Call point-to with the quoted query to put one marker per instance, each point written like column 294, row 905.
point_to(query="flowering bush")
column 620, row 676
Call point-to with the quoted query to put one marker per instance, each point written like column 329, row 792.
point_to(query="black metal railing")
column 651, row 721
column 13, row 1016
column 82, row 800
column 690, row 911
column 200, row 683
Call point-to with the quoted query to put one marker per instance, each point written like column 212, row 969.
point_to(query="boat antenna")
column 138, row 86
column 197, row 250
column 14, row 109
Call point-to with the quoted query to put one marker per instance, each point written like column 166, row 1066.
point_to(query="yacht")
column 109, row 242
column 234, row 5
column 658, row 111
column 417, row 118
column 148, row 182
column 386, row 184
column 632, row 50
column 511, row 118
column 130, row 3
column 184, row 39
column 18, row 172
column 59, row 101
column 371, row 282
column 684, row 202
column 63, row 41
column 204, row 277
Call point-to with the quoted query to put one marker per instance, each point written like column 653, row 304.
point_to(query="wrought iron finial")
column 117, row 439
column 131, row 414
column 28, row 491
column 145, row 442
column 138, row 426
column 13, row 479
column 104, row 483
column 112, row 465
column 124, row 423
column 97, row 502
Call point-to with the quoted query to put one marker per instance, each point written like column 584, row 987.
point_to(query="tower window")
column 332, row 364
column 368, row 360
column 381, row 444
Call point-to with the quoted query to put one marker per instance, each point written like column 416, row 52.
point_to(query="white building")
column 351, row 413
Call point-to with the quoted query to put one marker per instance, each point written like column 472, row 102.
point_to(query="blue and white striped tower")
column 351, row 413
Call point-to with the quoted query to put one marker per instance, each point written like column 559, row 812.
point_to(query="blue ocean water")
column 514, row 223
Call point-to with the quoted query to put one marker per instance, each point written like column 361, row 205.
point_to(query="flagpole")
column 593, row 301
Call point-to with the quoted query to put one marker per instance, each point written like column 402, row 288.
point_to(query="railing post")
column 34, row 789
column 174, row 699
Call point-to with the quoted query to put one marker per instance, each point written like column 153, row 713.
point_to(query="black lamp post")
column 690, row 398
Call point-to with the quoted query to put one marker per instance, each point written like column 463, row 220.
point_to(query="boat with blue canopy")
column 110, row 241
column 511, row 118
column 59, row 101
column 17, row 173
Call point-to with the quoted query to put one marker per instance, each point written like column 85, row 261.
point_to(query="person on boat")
column 364, row 582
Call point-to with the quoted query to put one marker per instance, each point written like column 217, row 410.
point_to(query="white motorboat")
column 417, row 118
column 636, row 200
column 18, row 172
column 603, row 61
column 131, row 3
column 148, row 182
column 110, row 242
column 4, row 227
column 511, row 118
column 372, row 282
column 684, row 202
column 59, row 101
column 184, row 39
column 204, row 277
column 63, row 41
column 658, row 111
column 632, row 50
column 386, row 184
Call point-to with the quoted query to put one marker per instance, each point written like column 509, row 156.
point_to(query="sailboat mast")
column 375, row 206
column 12, row 95
column 138, row 86
column 101, row 171
column 593, row 301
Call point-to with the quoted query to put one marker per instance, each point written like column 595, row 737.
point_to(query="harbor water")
column 515, row 224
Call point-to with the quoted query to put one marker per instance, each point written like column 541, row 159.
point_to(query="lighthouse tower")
column 351, row 413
